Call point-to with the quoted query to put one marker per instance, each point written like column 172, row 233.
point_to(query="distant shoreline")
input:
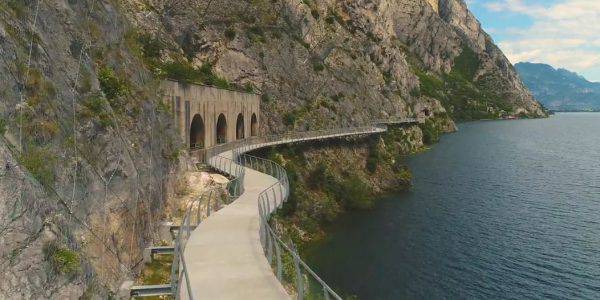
column 576, row 111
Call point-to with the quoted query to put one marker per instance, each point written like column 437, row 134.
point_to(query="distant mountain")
column 560, row 89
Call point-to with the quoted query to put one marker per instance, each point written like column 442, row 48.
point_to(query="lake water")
column 501, row 209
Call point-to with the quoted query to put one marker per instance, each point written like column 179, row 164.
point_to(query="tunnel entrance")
column 221, row 129
column 253, row 126
column 239, row 127
column 197, row 133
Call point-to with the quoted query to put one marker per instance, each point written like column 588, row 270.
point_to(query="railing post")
column 281, row 193
column 299, row 278
column 325, row 293
column 270, row 249
column 260, row 222
column 275, row 204
column 278, row 257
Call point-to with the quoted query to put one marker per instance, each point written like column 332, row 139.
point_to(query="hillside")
column 90, row 152
column 560, row 89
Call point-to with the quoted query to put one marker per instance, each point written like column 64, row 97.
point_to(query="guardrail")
column 275, row 248
column 269, row 201
column 196, row 213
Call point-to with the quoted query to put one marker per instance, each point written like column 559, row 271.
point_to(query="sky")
column 561, row 33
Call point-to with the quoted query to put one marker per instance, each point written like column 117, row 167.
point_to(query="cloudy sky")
column 562, row 33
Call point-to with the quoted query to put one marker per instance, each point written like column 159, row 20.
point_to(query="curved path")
column 224, row 256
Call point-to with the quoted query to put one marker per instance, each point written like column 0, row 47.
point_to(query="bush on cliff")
column 62, row 260
column 355, row 193
column 431, row 132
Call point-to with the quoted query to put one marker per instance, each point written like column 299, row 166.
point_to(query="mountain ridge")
column 560, row 89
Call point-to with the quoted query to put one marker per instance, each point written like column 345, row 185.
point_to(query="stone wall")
column 208, row 103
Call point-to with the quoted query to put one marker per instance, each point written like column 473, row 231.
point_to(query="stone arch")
column 197, row 133
column 221, row 129
column 239, row 127
column 253, row 125
column 427, row 112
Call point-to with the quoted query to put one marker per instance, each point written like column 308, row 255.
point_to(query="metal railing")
column 269, row 200
column 198, row 210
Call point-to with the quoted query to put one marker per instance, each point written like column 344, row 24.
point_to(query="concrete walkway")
column 224, row 255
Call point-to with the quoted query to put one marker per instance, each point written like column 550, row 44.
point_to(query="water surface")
column 501, row 209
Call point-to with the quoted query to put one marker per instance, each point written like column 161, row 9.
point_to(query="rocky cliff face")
column 88, row 144
column 341, row 62
column 83, row 182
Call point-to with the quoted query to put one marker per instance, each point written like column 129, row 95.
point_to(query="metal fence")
column 301, row 278
column 198, row 210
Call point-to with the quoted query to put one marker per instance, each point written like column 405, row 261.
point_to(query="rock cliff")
column 345, row 62
column 89, row 152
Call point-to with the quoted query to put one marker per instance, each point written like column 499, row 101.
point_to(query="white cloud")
column 564, row 34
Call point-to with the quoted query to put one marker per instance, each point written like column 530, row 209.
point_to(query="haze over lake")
column 501, row 209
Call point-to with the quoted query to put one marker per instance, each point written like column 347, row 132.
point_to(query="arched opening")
column 197, row 133
column 427, row 112
column 239, row 127
column 253, row 126
column 221, row 129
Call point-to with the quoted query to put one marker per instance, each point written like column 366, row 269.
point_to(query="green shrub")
column 330, row 19
column 466, row 64
column 256, row 34
column 62, row 260
column 112, row 86
column 182, row 71
column 430, row 85
column 2, row 126
column 320, row 178
column 18, row 6
column 248, row 87
column 402, row 172
column 431, row 133
column 265, row 98
column 387, row 77
column 94, row 107
column 75, row 48
column 355, row 193
column 318, row 66
column 415, row 92
column 373, row 158
column 40, row 162
column 337, row 97
column 230, row 33
column 289, row 118
column 150, row 46
column 315, row 13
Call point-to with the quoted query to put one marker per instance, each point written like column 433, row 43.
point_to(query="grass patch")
column 431, row 132
column 62, row 260
column 158, row 271
column 94, row 107
column 112, row 85
column 40, row 162
column 3, row 126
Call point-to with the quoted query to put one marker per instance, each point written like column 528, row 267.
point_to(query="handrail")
column 195, row 214
column 235, row 167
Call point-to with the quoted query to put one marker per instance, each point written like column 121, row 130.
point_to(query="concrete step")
column 150, row 290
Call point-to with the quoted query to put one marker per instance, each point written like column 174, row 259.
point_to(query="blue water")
column 499, row 210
